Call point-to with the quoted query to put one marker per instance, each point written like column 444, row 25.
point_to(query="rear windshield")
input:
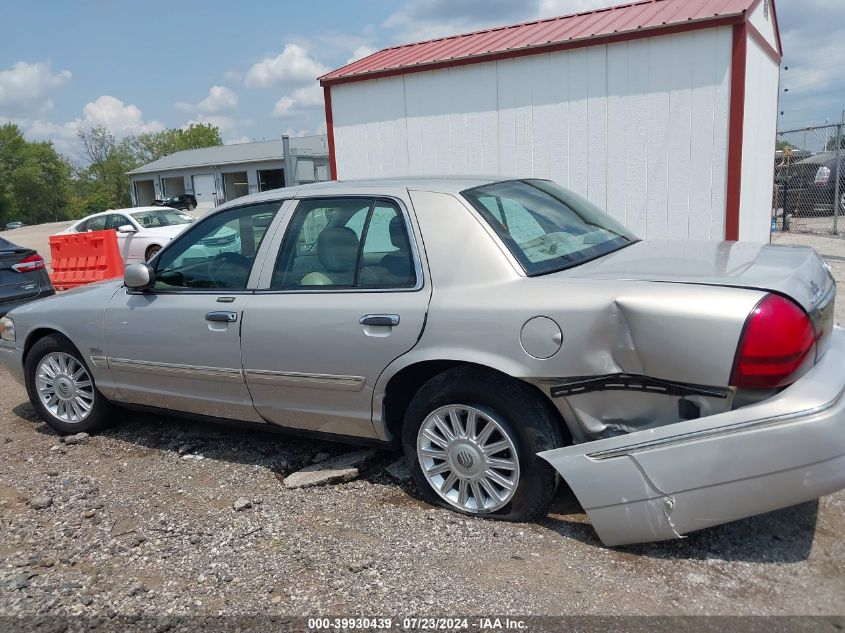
column 547, row 227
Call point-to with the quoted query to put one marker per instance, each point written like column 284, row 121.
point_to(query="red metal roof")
column 579, row 29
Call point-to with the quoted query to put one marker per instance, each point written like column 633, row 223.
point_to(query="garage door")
column 205, row 192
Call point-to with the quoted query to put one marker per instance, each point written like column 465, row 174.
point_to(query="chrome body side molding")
column 294, row 379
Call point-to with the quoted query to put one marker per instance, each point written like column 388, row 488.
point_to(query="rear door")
column 344, row 296
column 18, row 278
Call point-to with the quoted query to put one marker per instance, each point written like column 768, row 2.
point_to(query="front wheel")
column 472, row 437
column 152, row 251
column 61, row 387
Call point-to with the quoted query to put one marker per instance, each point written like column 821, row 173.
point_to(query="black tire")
column 152, row 251
column 527, row 418
column 100, row 415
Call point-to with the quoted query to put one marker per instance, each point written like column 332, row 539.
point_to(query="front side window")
column 163, row 217
column 217, row 252
column 345, row 243
column 546, row 227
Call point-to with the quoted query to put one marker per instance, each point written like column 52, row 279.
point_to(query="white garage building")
column 664, row 112
column 224, row 172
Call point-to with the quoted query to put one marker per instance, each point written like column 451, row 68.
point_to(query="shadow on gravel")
column 279, row 451
column 783, row 536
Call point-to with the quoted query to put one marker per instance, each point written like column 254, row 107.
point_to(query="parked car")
column 673, row 386
column 810, row 184
column 15, row 225
column 184, row 201
column 23, row 276
column 141, row 231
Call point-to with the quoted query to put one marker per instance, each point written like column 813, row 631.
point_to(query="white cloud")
column 231, row 128
column 424, row 19
column 293, row 65
column 237, row 139
column 311, row 96
column 120, row 119
column 300, row 99
column 26, row 86
column 360, row 53
column 284, row 107
column 219, row 98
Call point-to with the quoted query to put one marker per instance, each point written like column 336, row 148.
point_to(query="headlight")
column 7, row 329
column 823, row 176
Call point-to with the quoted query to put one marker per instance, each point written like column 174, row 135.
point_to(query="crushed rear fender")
column 665, row 482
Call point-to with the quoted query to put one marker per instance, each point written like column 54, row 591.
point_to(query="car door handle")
column 222, row 317
column 389, row 320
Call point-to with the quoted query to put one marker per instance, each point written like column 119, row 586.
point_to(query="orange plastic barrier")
column 83, row 258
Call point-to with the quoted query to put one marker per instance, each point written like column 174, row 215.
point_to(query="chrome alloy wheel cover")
column 468, row 458
column 64, row 387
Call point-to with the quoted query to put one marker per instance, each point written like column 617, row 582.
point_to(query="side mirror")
column 138, row 276
column 126, row 228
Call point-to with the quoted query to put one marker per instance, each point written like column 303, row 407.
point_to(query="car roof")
column 438, row 184
column 124, row 211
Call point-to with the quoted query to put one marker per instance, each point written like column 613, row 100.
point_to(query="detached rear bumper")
column 665, row 482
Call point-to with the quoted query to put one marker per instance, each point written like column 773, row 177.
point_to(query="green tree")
column 36, row 183
column 106, row 182
column 153, row 145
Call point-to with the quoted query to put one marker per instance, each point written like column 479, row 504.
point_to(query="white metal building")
column 664, row 112
column 225, row 172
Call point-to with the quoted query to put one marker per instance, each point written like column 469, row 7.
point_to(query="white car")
column 141, row 231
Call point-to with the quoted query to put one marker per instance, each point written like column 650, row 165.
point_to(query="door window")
column 217, row 252
column 95, row 224
column 345, row 243
column 115, row 220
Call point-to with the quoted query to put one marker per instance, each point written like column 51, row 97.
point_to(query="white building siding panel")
column 638, row 127
column 762, row 18
column 758, row 147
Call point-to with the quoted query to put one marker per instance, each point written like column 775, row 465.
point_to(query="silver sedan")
column 507, row 334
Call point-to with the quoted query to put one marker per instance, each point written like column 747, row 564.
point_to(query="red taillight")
column 29, row 264
column 777, row 346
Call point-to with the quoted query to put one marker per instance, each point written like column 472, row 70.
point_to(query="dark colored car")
column 23, row 276
column 808, row 187
column 185, row 201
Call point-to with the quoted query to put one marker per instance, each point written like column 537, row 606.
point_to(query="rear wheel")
column 61, row 388
column 471, row 438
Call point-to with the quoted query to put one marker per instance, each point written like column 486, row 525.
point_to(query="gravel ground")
column 140, row 521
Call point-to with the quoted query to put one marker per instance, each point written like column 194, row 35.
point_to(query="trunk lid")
column 795, row 271
column 14, row 284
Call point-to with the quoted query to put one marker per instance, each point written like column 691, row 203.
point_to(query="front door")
column 177, row 346
column 344, row 297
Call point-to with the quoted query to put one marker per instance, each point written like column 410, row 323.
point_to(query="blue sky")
column 249, row 67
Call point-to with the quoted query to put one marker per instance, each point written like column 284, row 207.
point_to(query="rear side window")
column 546, row 227
column 345, row 243
column 94, row 224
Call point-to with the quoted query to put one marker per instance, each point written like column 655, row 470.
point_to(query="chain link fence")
column 809, row 187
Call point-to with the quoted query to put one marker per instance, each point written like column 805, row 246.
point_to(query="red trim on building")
column 539, row 50
column 327, row 97
column 736, row 125
column 758, row 37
